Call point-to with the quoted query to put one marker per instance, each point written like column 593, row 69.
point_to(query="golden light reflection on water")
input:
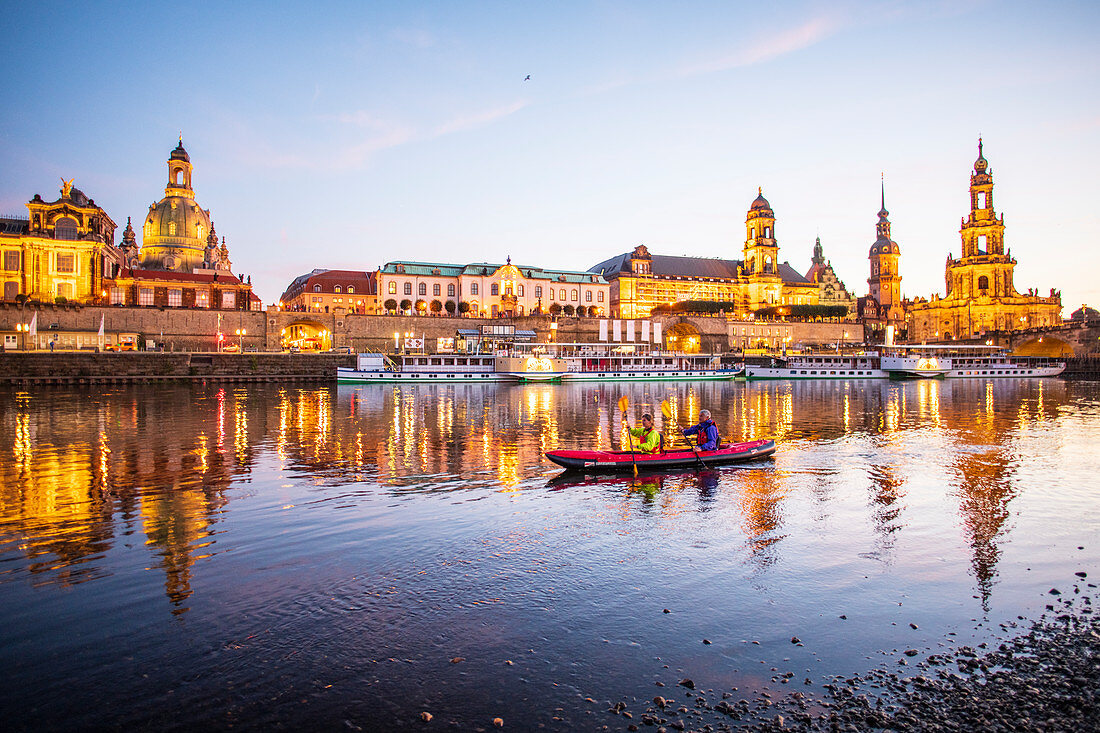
column 82, row 462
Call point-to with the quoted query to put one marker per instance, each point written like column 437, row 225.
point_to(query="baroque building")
column 883, row 306
column 488, row 290
column 640, row 281
column 326, row 290
column 981, row 296
column 831, row 289
column 63, row 250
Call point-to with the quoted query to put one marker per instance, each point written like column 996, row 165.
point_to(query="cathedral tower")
column 176, row 228
column 885, row 280
column 761, row 253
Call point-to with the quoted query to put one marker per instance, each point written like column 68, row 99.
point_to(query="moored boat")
column 599, row 460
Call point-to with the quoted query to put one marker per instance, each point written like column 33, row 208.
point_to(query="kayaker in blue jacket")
column 706, row 432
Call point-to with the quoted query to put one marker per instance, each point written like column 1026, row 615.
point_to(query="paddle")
column 623, row 405
column 666, row 410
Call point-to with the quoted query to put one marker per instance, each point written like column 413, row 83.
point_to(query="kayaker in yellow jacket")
column 649, row 439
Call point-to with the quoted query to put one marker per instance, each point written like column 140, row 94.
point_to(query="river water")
column 348, row 557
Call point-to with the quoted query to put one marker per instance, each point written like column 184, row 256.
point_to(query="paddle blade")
column 623, row 403
column 666, row 410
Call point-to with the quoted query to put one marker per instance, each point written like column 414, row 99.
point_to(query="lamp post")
column 240, row 339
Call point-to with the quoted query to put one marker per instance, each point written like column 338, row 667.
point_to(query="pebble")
column 795, row 640
column 498, row 722
column 456, row 660
column 426, row 716
column 686, row 682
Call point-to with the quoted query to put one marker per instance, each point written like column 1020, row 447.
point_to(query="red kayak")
column 606, row 460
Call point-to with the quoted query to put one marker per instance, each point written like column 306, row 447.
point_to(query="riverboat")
column 373, row 368
column 611, row 461
column 908, row 362
column 639, row 362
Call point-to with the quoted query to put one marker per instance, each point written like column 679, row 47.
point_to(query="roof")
column 474, row 269
column 222, row 278
column 690, row 267
column 328, row 280
column 13, row 224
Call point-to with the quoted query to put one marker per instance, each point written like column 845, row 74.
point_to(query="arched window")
column 520, row 293
column 351, row 289
column 752, row 232
column 201, row 231
column 576, row 295
column 983, row 283
column 767, row 264
column 422, row 289
column 171, row 227
column 435, row 289
column 337, row 289
column 450, row 290
column 408, row 288
column 473, row 288
column 316, row 288
column 494, row 289
column 65, row 228
column 393, row 288
column 179, row 176
column 767, row 232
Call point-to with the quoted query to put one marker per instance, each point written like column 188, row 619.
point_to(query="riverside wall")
column 187, row 330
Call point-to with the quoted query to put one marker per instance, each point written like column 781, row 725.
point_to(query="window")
column 393, row 288
column 561, row 294
column 520, row 291
column 599, row 296
column 337, row 289
column 408, row 288
column 587, row 296
column 983, row 283
column 316, row 288
column 473, row 288
column 229, row 299
column 494, row 289
column 351, row 289
column 422, row 289
column 175, row 298
column 118, row 296
column 66, row 263
column 145, row 296
column 11, row 259
column 202, row 298
column 435, row 289
column 201, row 232
column 538, row 291
column 64, row 290
column 65, row 228
column 576, row 295
column 171, row 228
column 451, row 290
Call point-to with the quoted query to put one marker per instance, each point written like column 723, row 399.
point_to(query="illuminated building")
column 831, row 290
column 883, row 305
column 325, row 290
column 485, row 289
column 640, row 281
column 63, row 249
column 980, row 294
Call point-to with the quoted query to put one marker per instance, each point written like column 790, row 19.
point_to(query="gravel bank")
column 1047, row 679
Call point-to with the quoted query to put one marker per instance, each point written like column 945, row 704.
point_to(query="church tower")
column 982, row 233
column 885, row 280
column 761, row 252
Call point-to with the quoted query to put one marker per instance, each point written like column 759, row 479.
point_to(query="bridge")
column 1069, row 339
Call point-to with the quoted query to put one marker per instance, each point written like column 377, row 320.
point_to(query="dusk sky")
column 346, row 135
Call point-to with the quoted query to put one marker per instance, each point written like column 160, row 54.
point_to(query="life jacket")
column 661, row 442
column 701, row 436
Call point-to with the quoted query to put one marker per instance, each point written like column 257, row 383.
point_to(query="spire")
column 819, row 253
column 981, row 163
column 882, row 212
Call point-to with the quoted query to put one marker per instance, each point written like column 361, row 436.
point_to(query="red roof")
column 225, row 278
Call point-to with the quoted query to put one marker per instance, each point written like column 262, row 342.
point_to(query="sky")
column 347, row 135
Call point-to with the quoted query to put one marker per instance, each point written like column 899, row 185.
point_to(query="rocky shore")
column 1044, row 676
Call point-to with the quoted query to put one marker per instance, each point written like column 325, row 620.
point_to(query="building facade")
column 63, row 251
column 883, row 306
column 323, row 291
column 831, row 289
column 981, row 296
column 640, row 281
column 488, row 290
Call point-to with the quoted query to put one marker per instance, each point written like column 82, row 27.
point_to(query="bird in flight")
column 527, row 78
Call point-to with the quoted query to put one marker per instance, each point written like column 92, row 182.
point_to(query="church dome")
column 179, row 224
column 981, row 163
column 760, row 203
column 179, row 153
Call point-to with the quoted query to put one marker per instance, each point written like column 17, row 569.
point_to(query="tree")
column 568, row 309
column 406, row 304
column 555, row 309
column 391, row 305
column 436, row 306
column 421, row 305
column 463, row 307
column 450, row 306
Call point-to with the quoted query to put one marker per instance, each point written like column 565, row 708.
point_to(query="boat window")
column 437, row 362
column 422, row 362
column 449, row 362
column 460, row 362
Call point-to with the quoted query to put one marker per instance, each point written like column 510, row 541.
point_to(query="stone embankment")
column 38, row 368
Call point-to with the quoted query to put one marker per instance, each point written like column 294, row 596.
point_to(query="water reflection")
column 88, row 469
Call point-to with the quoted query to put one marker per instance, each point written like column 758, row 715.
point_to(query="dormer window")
column 316, row 288
column 337, row 289
column 351, row 290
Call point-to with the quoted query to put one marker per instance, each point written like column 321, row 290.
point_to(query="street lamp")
column 240, row 338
